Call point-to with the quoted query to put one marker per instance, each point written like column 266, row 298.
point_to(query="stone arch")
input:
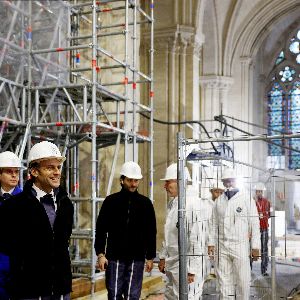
column 246, row 40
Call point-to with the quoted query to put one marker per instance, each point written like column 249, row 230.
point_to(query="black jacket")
column 39, row 256
column 126, row 227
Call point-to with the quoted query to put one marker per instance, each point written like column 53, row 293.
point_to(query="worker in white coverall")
column 235, row 223
column 169, row 256
column 216, row 191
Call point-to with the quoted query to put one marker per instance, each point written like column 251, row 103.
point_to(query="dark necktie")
column 6, row 196
column 48, row 203
column 231, row 193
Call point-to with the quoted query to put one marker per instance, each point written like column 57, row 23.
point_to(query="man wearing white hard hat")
column 10, row 165
column 39, row 224
column 263, row 208
column 195, row 229
column 126, row 236
column 235, row 218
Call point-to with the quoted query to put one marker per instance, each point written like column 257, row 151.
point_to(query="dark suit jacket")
column 39, row 256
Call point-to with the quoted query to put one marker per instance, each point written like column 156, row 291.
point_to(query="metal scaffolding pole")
column 273, row 240
column 94, row 136
column 151, row 100
column 182, row 239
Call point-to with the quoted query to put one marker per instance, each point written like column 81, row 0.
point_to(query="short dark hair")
column 33, row 165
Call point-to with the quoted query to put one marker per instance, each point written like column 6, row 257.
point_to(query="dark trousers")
column 264, row 237
column 124, row 279
column 4, row 276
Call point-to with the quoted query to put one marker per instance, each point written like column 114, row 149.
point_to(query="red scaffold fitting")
column 59, row 124
column 93, row 62
column 151, row 94
column 77, row 59
column 106, row 9
column 59, row 49
column 98, row 69
column 75, row 186
column 125, row 81
column 134, row 85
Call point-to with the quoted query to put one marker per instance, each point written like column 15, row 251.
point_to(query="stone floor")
column 287, row 278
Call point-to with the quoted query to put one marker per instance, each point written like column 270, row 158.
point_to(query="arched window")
column 284, row 106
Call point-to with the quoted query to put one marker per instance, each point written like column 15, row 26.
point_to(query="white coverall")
column 209, row 262
column 233, row 222
column 196, row 228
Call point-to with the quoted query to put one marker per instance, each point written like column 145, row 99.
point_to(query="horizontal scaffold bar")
column 87, row 46
column 243, row 138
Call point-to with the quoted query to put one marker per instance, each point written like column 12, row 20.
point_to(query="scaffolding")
column 70, row 74
column 209, row 157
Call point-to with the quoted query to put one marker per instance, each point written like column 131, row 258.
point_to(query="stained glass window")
column 276, row 116
column 294, row 123
column 280, row 58
column 284, row 106
column 295, row 46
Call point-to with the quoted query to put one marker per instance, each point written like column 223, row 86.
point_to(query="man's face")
column 259, row 194
column 47, row 174
column 130, row 184
column 215, row 193
column 9, row 178
column 171, row 187
column 229, row 182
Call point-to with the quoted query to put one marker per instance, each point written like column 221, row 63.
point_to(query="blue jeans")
column 124, row 279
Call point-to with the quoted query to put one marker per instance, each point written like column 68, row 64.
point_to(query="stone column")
column 176, row 73
column 214, row 98
column 246, row 110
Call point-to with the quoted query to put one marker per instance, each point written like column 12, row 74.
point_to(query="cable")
column 183, row 122
column 222, row 120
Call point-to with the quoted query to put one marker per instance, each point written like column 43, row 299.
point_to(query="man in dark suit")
column 38, row 224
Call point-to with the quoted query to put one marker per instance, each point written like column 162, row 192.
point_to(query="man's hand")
column 191, row 278
column 255, row 254
column 149, row 265
column 161, row 265
column 102, row 262
column 211, row 252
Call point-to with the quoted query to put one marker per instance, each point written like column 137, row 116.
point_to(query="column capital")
column 246, row 60
column 176, row 38
column 216, row 82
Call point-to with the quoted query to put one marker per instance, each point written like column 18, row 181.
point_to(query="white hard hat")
column 228, row 174
column 217, row 186
column 259, row 187
column 132, row 170
column 171, row 173
column 9, row 160
column 44, row 150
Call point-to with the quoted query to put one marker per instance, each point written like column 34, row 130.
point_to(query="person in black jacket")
column 38, row 224
column 126, row 236
column 10, row 166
